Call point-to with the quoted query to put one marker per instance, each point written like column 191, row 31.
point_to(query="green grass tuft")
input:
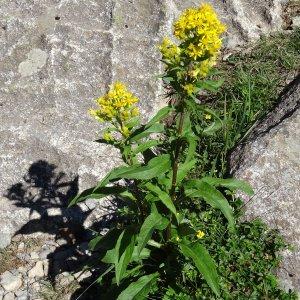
column 253, row 82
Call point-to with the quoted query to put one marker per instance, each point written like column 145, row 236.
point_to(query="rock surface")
column 37, row 270
column 270, row 162
column 56, row 56
column 10, row 282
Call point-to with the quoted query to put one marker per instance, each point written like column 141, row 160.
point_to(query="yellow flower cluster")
column 117, row 104
column 200, row 28
column 189, row 88
column 200, row 234
column 107, row 136
column 201, row 69
column 170, row 51
column 117, row 107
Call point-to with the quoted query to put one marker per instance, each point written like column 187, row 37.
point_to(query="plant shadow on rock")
column 47, row 192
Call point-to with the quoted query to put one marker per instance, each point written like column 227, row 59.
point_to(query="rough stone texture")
column 10, row 282
column 37, row 270
column 9, row 296
column 270, row 161
column 56, row 56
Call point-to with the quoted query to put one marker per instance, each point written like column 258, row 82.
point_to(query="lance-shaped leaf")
column 161, row 114
column 156, row 166
column 184, row 169
column 144, row 146
column 210, row 85
column 230, row 183
column 139, row 289
column 201, row 189
column 113, row 175
column 124, row 260
column 101, row 192
column 204, row 263
column 123, row 252
column 146, row 131
column 190, row 161
column 152, row 222
column 163, row 197
column 105, row 242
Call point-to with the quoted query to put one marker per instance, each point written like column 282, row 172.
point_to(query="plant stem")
column 176, row 156
column 175, row 166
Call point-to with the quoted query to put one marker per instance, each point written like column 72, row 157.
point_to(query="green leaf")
column 87, row 194
column 124, row 260
column 98, row 193
column 192, row 141
column 145, row 146
column 109, row 257
column 204, row 264
column 132, row 122
column 152, row 222
column 190, row 161
column 144, row 254
column 168, row 79
column 210, row 85
column 133, row 272
column 107, row 241
column 215, row 125
column 113, row 175
column 139, row 289
column 185, row 229
column 99, row 279
column 156, row 166
column 165, row 180
column 162, row 113
column 184, row 169
column 200, row 189
column 123, row 252
column 187, row 126
column 146, row 131
column 230, row 183
column 163, row 196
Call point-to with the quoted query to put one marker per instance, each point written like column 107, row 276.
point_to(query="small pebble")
column 34, row 255
column 37, row 270
column 21, row 246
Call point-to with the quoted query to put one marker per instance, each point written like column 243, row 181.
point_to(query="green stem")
column 175, row 166
column 176, row 156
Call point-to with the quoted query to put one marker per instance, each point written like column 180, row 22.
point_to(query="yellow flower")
column 200, row 234
column 189, row 88
column 135, row 112
column 201, row 69
column 125, row 131
column 207, row 117
column 117, row 104
column 169, row 50
column 177, row 239
column 201, row 29
column 107, row 137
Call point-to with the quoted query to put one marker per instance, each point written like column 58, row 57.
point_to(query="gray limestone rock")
column 9, row 296
column 56, row 57
column 10, row 282
column 270, row 162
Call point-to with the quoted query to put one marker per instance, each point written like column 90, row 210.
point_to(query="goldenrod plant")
column 144, row 254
